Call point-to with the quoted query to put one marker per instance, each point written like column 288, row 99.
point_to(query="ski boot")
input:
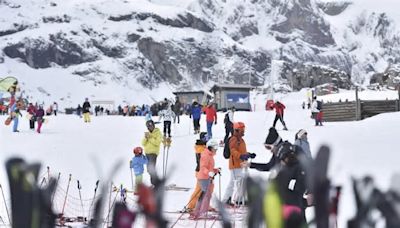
column 167, row 141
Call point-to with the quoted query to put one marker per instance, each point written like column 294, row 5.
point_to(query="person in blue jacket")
column 137, row 164
column 196, row 113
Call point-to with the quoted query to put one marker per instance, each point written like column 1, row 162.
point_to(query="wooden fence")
column 358, row 110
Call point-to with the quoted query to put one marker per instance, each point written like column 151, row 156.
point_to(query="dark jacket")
column 265, row 167
column 86, row 107
column 291, row 182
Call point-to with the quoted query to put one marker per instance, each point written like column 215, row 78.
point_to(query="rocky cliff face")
column 210, row 41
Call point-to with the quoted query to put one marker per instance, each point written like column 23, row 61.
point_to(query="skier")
column 315, row 111
column 15, row 113
column 199, row 147
column 205, row 177
column 32, row 112
column 79, row 111
column 291, row 181
column 301, row 140
column 279, row 107
column 137, row 164
column 237, row 148
column 177, row 109
column 55, row 108
column 211, row 117
column 228, row 121
column 151, row 143
column 196, row 113
column 39, row 118
column 86, row 110
column 167, row 114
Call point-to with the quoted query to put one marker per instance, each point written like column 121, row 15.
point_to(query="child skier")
column 137, row 164
column 199, row 147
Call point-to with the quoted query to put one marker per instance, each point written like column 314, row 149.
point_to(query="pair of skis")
column 166, row 146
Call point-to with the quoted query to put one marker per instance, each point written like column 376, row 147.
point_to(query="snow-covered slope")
column 140, row 51
column 88, row 151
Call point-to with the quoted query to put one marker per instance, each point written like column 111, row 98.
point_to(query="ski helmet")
column 213, row 144
column 287, row 150
column 138, row 150
column 203, row 136
column 238, row 126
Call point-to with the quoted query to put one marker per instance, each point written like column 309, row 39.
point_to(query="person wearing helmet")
column 199, row 147
column 137, row 164
column 237, row 148
column 291, row 182
column 205, row 177
column 86, row 110
column 151, row 143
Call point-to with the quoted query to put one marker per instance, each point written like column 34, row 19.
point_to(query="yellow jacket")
column 152, row 144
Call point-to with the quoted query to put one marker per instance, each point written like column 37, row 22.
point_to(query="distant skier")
column 196, row 114
column 301, row 140
column 211, row 117
column 228, row 121
column 279, row 111
column 177, row 109
column 137, row 164
column 86, row 110
column 79, row 110
column 151, row 143
column 167, row 115
column 15, row 113
column 32, row 112
column 55, row 108
column 316, row 111
column 39, row 118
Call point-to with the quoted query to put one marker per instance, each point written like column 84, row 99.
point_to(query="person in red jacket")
column 211, row 118
column 279, row 107
column 32, row 113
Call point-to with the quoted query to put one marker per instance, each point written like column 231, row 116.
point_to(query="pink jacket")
column 206, row 164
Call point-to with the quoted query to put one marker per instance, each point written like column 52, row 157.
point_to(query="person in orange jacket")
column 199, row 147
column 238, row 149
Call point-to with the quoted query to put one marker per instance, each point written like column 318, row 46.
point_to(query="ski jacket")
column 166, row 114
column 206, row 164
column 198, row 150
column 265, row 166
column 86, row 107
column 138, row 163
column 314, row 106
column 31, row 110
column 196, row 112
column 177, row 108
column 211, row 114
column 279, row 107
column 237, row 147
column 152, row 144
column 291, row 182
column 305, row 146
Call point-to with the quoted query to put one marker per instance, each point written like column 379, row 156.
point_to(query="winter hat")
column 138, row 150
column 300, row 133
column 273, row 137
column 203, row 136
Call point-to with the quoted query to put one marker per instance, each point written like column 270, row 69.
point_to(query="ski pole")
column 219, row 188
column 166, row 162
column 94, row 197
column 43, row 181
column 5, row 204
column 66, row 195
column 54, row 193
column 130, row 167
column 80, row 197
column 48, row 173
column 179, row 218
column 163, row 160
column 109, row 201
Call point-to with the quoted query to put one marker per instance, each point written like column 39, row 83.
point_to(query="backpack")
column 226, row 118
column 319, row 105
column 227, row 150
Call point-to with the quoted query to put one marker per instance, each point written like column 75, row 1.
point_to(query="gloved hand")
column 211, row 174
column 215, row 123
column 252, row 155
column 244, row 157
column 217, row 170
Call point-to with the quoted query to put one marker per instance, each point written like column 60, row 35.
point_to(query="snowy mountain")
column 142, row 50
